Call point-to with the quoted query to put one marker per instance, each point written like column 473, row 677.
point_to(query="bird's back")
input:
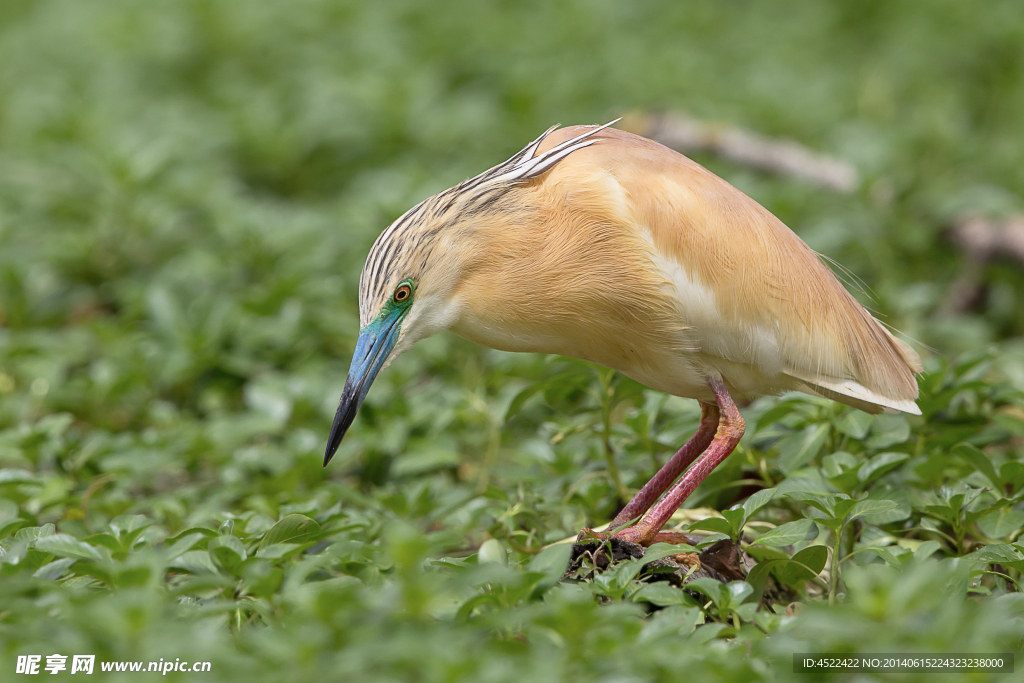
column 754, row 301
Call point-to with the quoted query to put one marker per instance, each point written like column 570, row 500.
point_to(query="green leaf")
column 203, row 531
column 716, row 524
column 291, row 529
column 1012, row 474
column 535, row 388
column 821, row 501
column 790, row 533
column 736, row 592
column 467, row 608
column 842, row 507
column 105, row 540
column 746, row 611
column 14, row 552
column 800, row 449
column 735, row 516
column 33, row 533
column 805, row 565
column 764, row 553
column 277, row 551
column 54, row 570
column 776, row 413
column 12, row 476
column 63, row 545
column 870, row 507
column 757, row 500
column 551, row 561
column 758, row 575
column 183, row 544
column 427, row 460
column 714, row 590
column 973, row 516
column 11, row 527
column 839, row 463
column 227, row 543
column 663, row 594
column 1002, row 522
column 926, row 550
column 854, row 423
column 889, row 556
column 887, row 431
column 879, row 465
column 999, row 553
column 624, row 572
column 943, row 512
column 711, row 539
column 129, row 526
column 195, row 562
column 974, row 455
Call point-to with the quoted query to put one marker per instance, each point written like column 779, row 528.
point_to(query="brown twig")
column 986, row 239
column 982, row 240
column 783, row 157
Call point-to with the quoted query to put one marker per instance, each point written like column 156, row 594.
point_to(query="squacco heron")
column 602, row 245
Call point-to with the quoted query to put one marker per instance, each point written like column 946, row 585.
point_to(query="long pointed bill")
column 373, row 347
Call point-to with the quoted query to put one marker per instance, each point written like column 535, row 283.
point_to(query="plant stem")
column 493, row 440
column 613, row 470
column 606, row 436
column 834, row 567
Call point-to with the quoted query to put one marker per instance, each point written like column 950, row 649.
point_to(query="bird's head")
column 410, row 284
column 406, row 293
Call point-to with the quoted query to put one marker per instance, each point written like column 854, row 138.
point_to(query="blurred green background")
column 188, row 189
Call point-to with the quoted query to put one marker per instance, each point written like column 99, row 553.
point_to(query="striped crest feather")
column 436, row 213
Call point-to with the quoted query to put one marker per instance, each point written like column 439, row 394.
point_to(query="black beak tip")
column 337, row 433
column 347, row 408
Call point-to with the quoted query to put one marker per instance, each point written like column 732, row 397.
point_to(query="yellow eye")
column 403, row 293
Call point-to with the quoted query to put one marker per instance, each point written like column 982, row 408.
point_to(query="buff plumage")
column 598, row 244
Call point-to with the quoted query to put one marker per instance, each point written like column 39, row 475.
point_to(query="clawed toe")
column 638, row 534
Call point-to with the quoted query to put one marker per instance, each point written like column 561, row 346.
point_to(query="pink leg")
column 730, row 431
column 660, row 482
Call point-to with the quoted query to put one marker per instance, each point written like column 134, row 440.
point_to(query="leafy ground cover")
column 187, row 190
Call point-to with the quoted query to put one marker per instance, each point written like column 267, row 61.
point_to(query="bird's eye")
column 403, row 293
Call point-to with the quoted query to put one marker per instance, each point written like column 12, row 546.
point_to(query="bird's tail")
column 867, row 395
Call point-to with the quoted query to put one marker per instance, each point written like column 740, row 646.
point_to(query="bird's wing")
column 750, row 289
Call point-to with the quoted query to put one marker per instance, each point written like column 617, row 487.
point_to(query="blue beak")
column 373, row 347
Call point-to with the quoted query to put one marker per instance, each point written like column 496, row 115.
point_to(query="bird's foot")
column 642, row 536
column 596, row 551
column 638, row 533
column 588, row 534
